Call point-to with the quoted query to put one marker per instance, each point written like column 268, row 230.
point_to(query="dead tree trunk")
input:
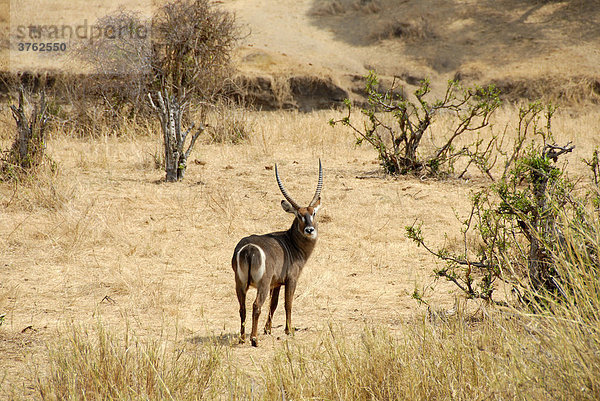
column 30, row 143
column 542, row 230
column 170, row 110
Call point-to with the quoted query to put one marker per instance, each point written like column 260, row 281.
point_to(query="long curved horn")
column 284, row 192
column 315, row 198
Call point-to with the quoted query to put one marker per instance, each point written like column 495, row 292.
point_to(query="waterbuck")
column 270, row 261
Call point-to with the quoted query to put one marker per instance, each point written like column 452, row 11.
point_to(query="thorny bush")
column 395, row 126
column 520, row 222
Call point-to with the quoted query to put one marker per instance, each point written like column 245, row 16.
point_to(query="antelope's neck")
column 302, row 245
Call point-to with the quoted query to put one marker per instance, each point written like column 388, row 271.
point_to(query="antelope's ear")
column 287, row 206
column 317, row 205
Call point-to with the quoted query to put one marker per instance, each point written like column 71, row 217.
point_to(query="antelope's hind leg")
column 261, row 296
column 241, row 294
column 274, row 301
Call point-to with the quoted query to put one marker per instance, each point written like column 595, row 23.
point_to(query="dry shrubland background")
column 113, row 278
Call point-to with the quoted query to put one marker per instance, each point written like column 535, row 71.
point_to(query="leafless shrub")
column 28, row 149
column 118, row 64
column 123, row 48
column 192, row 44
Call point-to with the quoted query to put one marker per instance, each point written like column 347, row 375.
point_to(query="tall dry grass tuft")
column 43, row 188
column 489, row 354
column 98, row 365
column 496, row 356
column 569, row 325
column 455, row 359
column 227, row 123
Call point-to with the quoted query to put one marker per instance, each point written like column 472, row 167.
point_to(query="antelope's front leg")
column 261, row 296
column 274, row 301
column 290, row 288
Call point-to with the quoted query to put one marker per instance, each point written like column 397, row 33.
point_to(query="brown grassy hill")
column 528, row 48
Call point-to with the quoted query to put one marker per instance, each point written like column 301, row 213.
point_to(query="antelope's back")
column 269, row 243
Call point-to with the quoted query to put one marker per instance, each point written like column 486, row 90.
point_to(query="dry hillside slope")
column 530, row 49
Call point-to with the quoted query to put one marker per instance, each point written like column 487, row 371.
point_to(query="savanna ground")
column 105, row 240
column 104, row 245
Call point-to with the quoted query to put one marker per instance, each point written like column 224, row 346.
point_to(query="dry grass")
column 418, row 29
column 119, row 243
column 227, row 123
column 105, row 240
column 337, row 7
column 481, row 355
column 117, row 285
column 100, row 365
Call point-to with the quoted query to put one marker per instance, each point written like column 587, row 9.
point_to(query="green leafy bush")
column 521, row 223
column 395, row 126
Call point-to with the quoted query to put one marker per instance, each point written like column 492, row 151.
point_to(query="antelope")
column 272, row 260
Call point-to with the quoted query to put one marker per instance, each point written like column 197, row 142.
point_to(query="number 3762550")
column 42, row 47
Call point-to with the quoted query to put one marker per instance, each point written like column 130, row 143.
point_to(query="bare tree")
column 170, row 112
column 28, row 148
column 118, row 64
column 192, row 42
column 186, row 58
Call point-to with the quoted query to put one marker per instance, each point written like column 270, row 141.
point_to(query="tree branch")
column 193, row 141
column 553, row 151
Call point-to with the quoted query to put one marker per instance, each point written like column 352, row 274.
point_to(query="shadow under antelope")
column 272, row 260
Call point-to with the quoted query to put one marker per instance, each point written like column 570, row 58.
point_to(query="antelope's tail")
column 250, row 267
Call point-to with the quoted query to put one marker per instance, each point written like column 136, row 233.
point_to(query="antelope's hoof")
column 254, row 342
column 267, row 330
